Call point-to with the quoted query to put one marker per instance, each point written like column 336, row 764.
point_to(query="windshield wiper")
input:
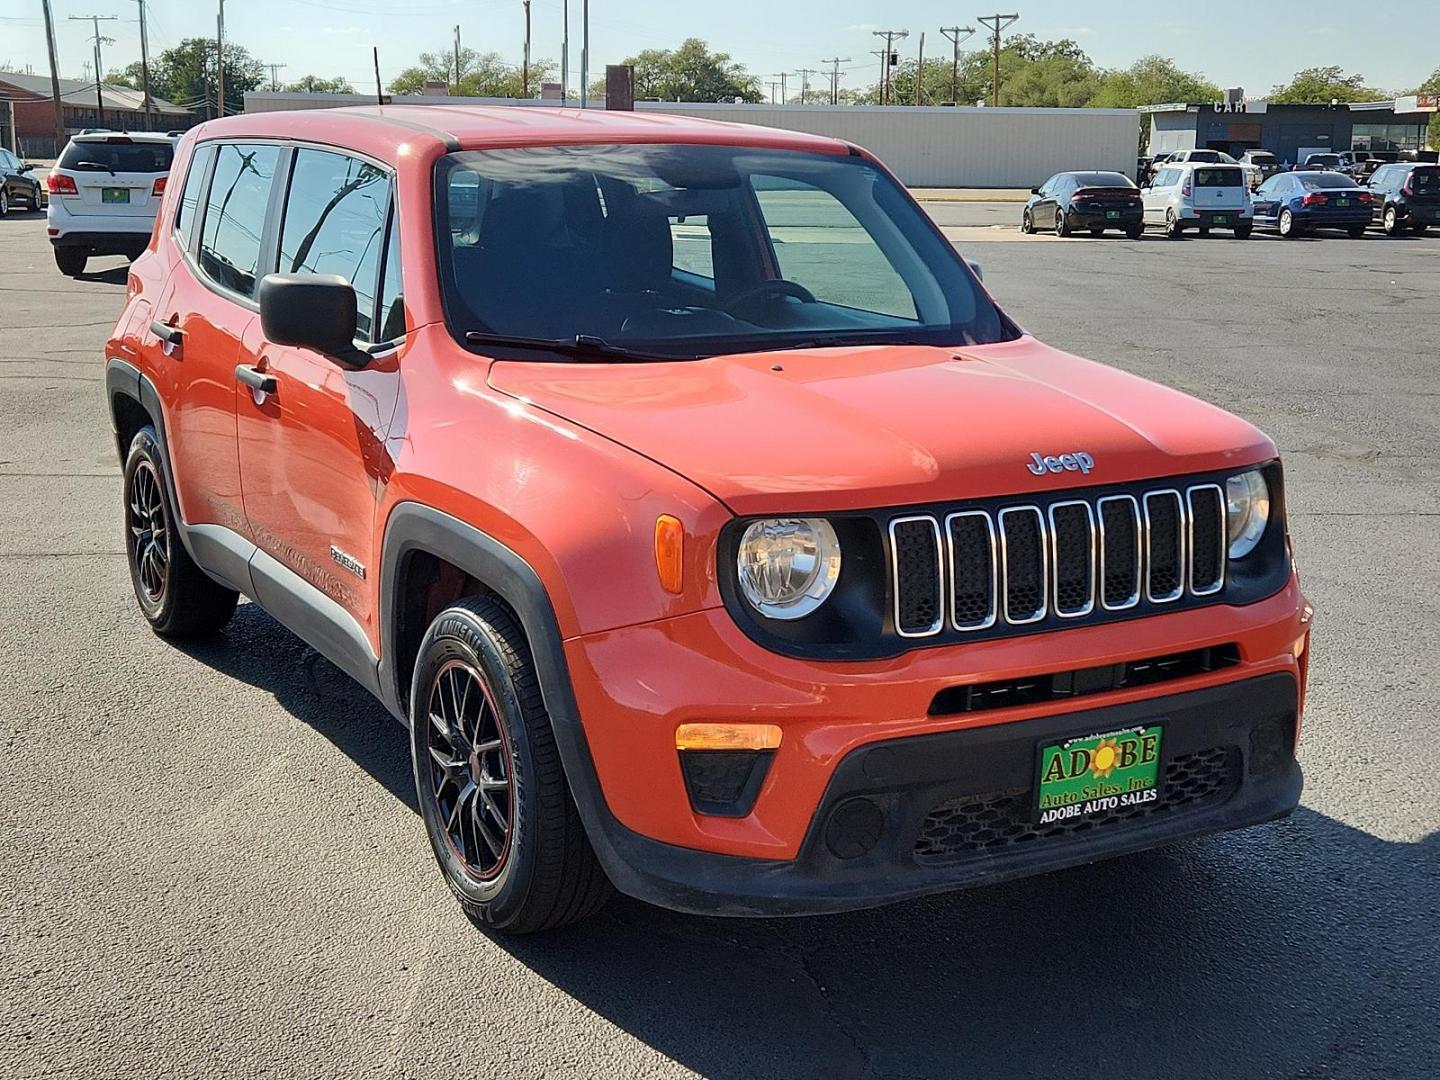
column 94, row 165
column 579, row 345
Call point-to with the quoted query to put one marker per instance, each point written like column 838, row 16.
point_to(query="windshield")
column 1316, row 181
column 675, row 251
column 119, row 156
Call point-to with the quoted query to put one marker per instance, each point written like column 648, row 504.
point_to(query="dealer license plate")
column 1112, row 214
column 1096, row 775
column 1220, row 219
column 1342, row 203
column 114, row 195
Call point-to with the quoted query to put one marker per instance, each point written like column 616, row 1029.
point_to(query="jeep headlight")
column 786, row 567
column 1247, row 511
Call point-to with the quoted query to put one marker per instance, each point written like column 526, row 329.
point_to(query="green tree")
column 131, row 75
column 1152, row 80
column 1321, row 85
column 691, row 73
column 312, row 84
column 1430, row 85
column 481, row 74
column 1033, row 73
column 186, row 75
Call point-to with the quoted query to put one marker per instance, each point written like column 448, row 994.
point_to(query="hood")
column 835, row 429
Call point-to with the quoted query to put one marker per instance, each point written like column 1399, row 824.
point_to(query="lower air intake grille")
column 965, row 828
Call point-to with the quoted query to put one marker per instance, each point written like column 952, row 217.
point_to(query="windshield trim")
column 699, row 347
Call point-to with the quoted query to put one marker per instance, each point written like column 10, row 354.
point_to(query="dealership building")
column 1290, row 131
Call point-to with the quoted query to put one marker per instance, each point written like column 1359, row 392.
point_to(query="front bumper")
column 907, row 817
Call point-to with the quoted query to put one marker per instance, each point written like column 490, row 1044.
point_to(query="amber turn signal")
column 727, row 737
column 670, row 553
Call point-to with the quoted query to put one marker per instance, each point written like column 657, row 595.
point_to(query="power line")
column 953, row 33
column 835, row 62
column 996, row 23
column 95, row 21
column 805, row 74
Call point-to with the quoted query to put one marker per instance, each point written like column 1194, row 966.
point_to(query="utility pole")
column 54, row 79
column 995, row 23
column 220, row 61
column 887, row 61
column 835, row 62
column 920, row 72
column 275, row 76
column 525, row 66
column 97, row 40
column 774, row 87
column 584, row 52
column 457, row 60
column 564, row 51
column 804, row 74
column 953, row 33
column 149, row 104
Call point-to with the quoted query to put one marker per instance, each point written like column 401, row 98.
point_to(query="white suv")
column 104, row 192
column 1188, row 195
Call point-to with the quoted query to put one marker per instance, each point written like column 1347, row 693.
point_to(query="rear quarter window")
column 132, row 157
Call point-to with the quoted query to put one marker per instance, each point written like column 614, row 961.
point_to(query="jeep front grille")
column 1059, row 560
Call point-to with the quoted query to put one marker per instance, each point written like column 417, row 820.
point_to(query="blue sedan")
column 1296, row 203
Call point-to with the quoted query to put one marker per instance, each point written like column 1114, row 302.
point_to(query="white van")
column 1195, row 195
column 104, row 192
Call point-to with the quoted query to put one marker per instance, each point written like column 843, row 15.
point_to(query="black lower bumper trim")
column 97, row 243
column 1236, row 738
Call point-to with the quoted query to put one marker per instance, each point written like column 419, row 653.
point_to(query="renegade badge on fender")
column 714, row 533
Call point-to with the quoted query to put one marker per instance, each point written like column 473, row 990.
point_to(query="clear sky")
column 334, row 37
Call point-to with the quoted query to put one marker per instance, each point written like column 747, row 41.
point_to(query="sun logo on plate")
column 1102, row 761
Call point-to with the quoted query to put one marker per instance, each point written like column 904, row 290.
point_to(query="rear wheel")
column 1242, row 231
column 1355, row 231
column 176, row 597
column 1390, row 223
column 497, row 809
column 71, row 261
column 1062, row 223
column 4, row 201
column 1134, row 232
column 1173, row 228
column 1288, row 226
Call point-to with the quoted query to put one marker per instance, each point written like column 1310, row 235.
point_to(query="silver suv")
column 1185, row 195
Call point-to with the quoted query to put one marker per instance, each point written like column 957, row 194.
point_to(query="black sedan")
column 1085, row 200
column 17, row 186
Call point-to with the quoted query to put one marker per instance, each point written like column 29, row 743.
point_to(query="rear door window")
column 120, row 156
column 235, row 215
column 335, row 224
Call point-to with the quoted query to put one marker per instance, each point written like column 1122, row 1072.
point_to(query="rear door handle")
column 257, row 380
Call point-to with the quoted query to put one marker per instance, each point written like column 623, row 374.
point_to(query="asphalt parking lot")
column 212, row 864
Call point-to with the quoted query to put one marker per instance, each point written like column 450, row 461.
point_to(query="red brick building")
column 124, row 110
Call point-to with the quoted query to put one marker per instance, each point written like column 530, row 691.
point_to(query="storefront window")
column 1388, row 136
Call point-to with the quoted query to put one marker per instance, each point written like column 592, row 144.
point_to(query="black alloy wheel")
column 470, row 776
column 149, row 535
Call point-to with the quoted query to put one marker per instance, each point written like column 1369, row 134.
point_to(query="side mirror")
column 1034, row 191
column 976, row 268
column 28, row 166
column 315, row 311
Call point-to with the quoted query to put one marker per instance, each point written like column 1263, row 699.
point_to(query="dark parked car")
column 1085, row 200
column 1405, row 195
column 1299, row 202
column 1260, row 164
column 1321, row 163
column 18, row 187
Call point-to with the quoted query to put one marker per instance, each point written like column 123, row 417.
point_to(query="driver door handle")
column 259, row 381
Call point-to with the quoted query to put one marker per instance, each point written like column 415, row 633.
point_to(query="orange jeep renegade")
column 714, row 533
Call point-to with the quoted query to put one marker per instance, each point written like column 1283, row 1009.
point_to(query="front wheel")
column 1173, row 228
column 71, row 261
column 497, row 808
column 1135, row 232
column 1027, row 225
column 177, row 598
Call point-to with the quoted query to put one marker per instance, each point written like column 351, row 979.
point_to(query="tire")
column 176, row 597
column 1287, row 226
column 524, row 866
column 1173, row 229
column 71, row 261
column 4, row 201
column 1204, row 230
column 1135, row 232
column 1062, row 223
column 1027, row 226
column 1242, row 232
column 1355, row 231
column 1390, row 222
column 1096, row 231
column 1419, row 227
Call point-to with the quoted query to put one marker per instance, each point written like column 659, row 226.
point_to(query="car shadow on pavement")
column 1304, row 949
column 114, row 275
column 255, row 649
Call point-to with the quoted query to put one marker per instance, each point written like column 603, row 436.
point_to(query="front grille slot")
column 1164, row 547
column 1022, row 564
column 918, row 576
column 982, row 825
column 1208, row 538
column 1062, row 685
column 1071, row 558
